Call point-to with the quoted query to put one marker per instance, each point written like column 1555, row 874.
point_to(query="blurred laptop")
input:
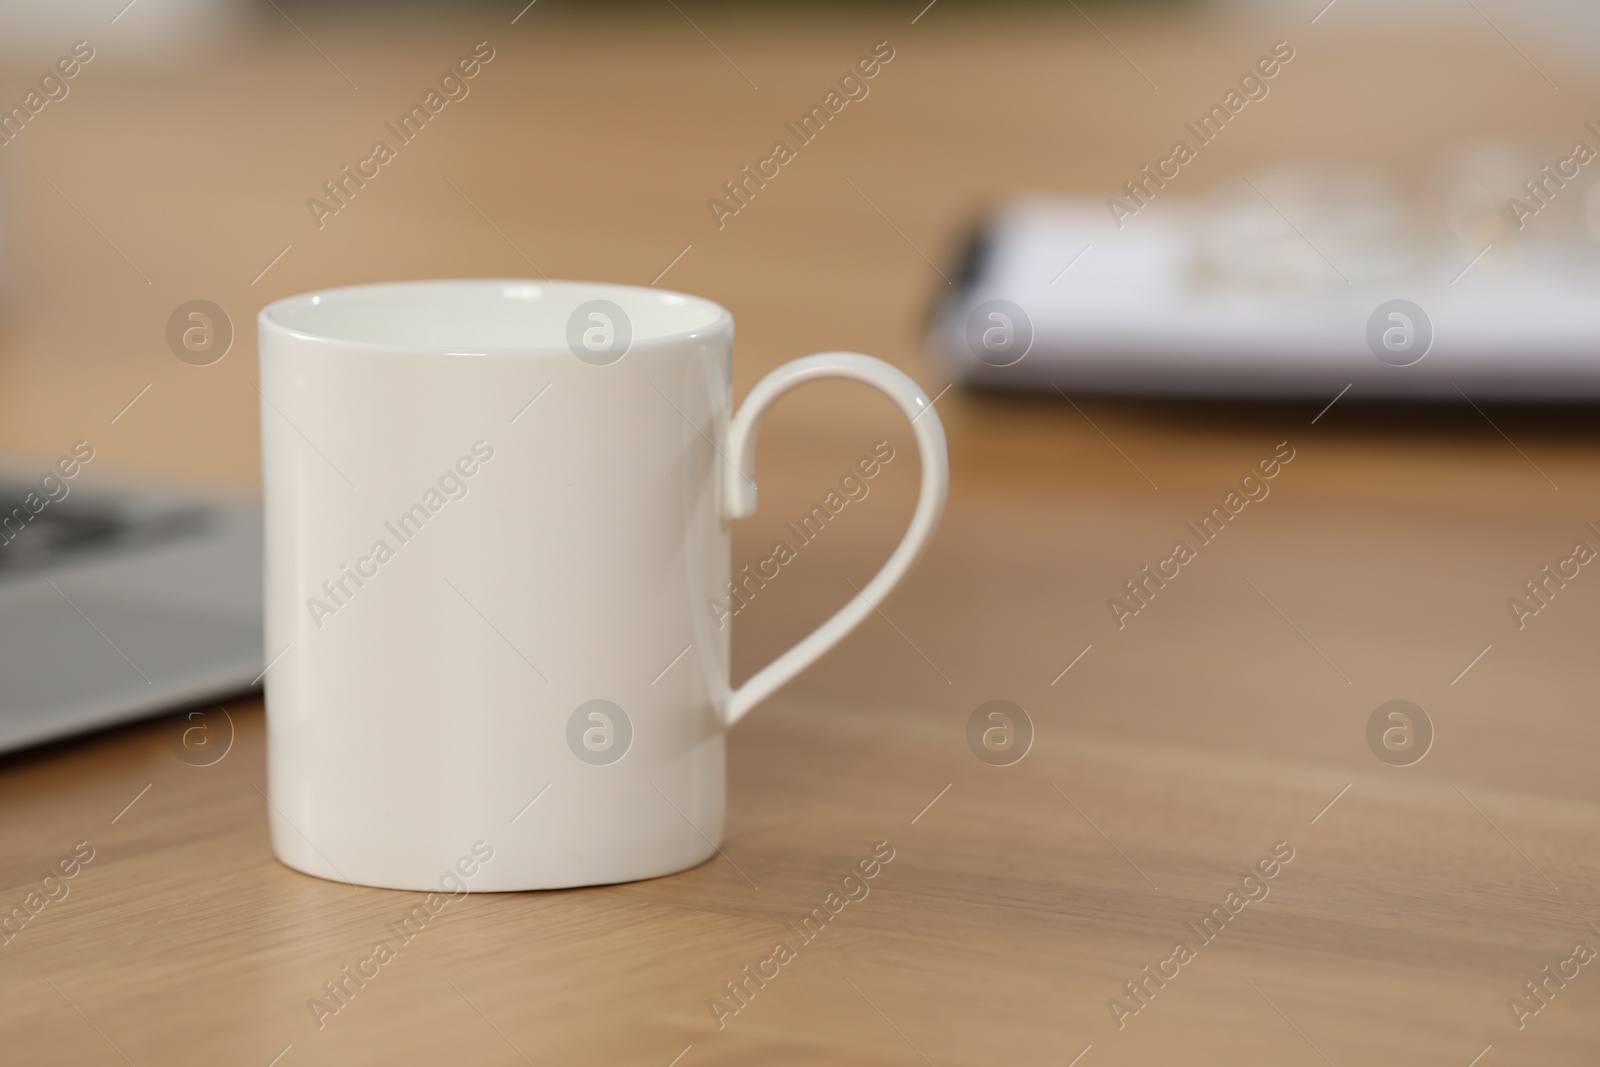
column 1298, row 283
column 121, row 604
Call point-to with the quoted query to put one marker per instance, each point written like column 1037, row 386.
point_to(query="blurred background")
column 180, row 164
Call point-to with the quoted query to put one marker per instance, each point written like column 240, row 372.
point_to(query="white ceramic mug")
column 497, row 516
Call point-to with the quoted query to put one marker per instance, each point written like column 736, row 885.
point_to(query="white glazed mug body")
column 496, row 516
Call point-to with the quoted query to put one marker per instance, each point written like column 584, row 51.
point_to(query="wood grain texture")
column 1176, row 753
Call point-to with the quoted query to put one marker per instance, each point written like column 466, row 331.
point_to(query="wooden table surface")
column 1226, row 721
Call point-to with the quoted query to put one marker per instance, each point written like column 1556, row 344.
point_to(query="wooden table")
column 1169, row 757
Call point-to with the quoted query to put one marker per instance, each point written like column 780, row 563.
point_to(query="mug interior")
column 485, row 314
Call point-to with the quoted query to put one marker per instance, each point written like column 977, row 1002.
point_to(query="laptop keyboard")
column 70, row 527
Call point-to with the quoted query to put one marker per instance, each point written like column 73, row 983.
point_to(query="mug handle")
column 739, row 500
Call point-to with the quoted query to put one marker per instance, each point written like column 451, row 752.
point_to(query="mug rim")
column 267, row 319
